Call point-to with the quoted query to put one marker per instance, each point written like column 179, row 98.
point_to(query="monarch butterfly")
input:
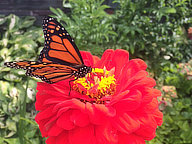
column 60, row 58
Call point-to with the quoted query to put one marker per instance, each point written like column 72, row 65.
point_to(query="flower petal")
column 129, row 116
column 94, row 116
column 120, row 58
column 62, row 138
column 148, row 94
column 138, row 81
column 158, row 116
column 131, row 68
column 82, row 135
column 79, row 118
column 129, row 102
column 87, row 58
column 108, row 111
column 95, row 59
column 50, row 140
column 65, row 122
column 45, row 114
column 130, row 139
column 126, row 123
column 147, row 128
column 106, row 134
column 54, row 130
column 105, row 59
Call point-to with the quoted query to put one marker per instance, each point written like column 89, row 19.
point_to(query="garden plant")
column 158, row 32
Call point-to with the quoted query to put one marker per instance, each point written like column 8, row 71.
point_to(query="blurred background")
column 157, row 31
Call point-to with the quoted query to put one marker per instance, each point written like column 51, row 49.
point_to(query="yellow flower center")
column 98, row 86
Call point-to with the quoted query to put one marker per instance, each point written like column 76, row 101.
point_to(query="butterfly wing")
column 59, row 46
column 47, row 72
column 60, row 59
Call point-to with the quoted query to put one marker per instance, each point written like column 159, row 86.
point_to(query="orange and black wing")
column 47, row 72
column 59, row 46
column 60, row 59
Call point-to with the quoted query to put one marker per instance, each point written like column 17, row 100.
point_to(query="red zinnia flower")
column 115, row 104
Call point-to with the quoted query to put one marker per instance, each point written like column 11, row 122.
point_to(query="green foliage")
column 19, row 40
column 177, row 123
column 154, row 30
column 176, row 76
column 88, row 23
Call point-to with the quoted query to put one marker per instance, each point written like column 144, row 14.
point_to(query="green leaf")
column 168, row 10
column 11, row 125
column 12, row 141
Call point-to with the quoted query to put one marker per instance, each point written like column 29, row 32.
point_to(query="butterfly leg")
column 70, row 85
column 87, row 81
column 94, row 73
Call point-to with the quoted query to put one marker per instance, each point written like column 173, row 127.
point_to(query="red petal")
column 158, row 115
column 108, row 111
column 87, row 58
column 53, row 100
column 45, row 114
column 62, row 104
column 95, row 59
column 128, row 82
column 129, row 102
column 148, row 94
column 95, row 116
column 149, row 82
column 138, row 81
column 46, row 91
column 62, row 138
column 51, row 140
column 153, row 109
column 111, row 58
column 147, row 128
column 65, row 122
column 77, row 104
column 130, row 139
column 126, row 123
column 131, row 68
column 54, row 130
column 106, row 134
column 120, row 58
column 116, row 98
column 105, row 59
column 79, row 118
column 45, row 125
column 84, row 135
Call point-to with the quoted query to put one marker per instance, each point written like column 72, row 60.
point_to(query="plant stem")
column 22, row 115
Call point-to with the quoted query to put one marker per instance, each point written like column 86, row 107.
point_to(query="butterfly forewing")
column 59, row 46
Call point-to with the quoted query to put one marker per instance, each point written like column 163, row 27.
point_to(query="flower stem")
column 21, row 127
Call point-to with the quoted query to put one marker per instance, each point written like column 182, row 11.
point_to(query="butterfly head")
column 82, row 71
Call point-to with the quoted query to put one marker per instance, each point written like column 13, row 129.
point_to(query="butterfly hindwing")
column 59, row 46
column 47, row 72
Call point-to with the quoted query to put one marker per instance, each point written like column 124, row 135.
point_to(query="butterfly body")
column 60, row 58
